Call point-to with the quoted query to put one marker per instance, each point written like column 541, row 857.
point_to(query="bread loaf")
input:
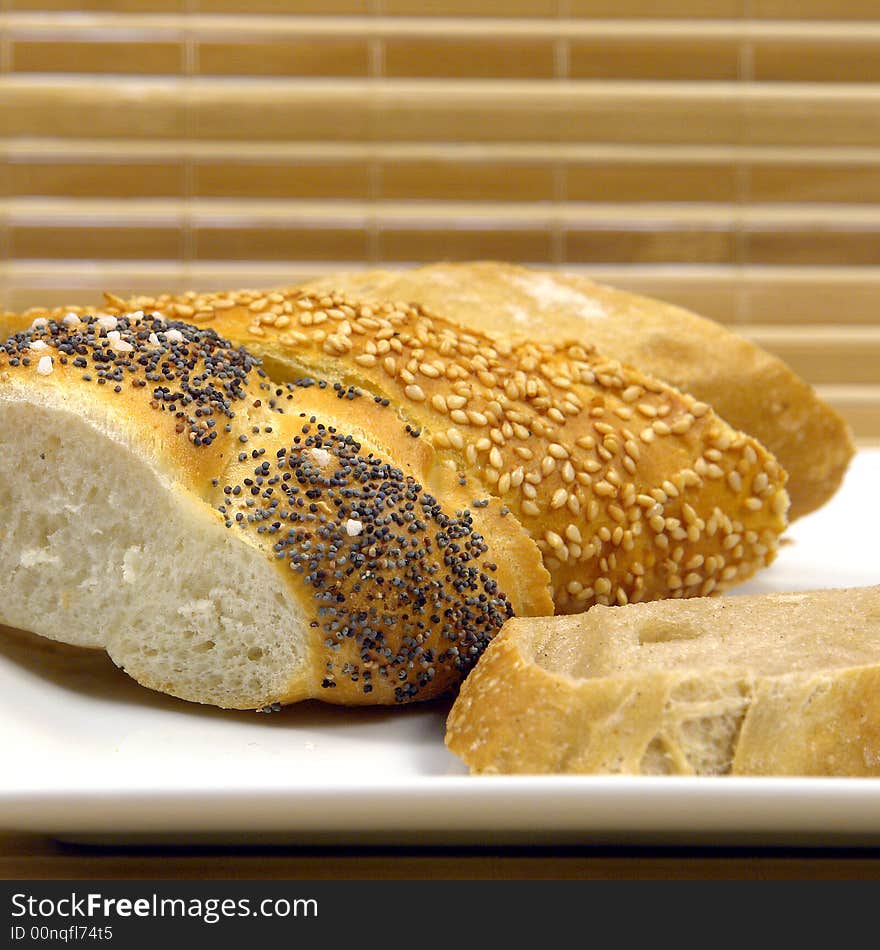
column 752, row 389
column 232, row 539
column 770, row 684
column 630, row 489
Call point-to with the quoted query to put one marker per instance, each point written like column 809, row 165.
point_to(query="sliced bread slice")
column 771, row 684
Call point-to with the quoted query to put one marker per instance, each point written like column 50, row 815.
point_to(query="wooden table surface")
column 25, row 857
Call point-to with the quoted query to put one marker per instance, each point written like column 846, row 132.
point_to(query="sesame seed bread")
column 630, row 489
column 770, row 684
column 232, row 539
column 752, row 389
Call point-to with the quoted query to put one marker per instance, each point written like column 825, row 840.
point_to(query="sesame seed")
column 553, row 539
column 780, row 502
column 560, row 497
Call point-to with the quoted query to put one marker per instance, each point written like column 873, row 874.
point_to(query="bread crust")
column 631, row 490
column 402, row 582
column 752, row 389
column 515, row 715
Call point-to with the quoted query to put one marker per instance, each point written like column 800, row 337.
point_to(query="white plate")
column 88, row 754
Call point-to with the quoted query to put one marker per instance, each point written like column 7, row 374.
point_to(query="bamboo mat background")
column 722, row 154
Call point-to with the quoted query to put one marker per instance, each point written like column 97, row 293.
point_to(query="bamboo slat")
column 752, row 296
column 423, row 47
column 595, row 233
column 93, row 168
column 717, row 113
